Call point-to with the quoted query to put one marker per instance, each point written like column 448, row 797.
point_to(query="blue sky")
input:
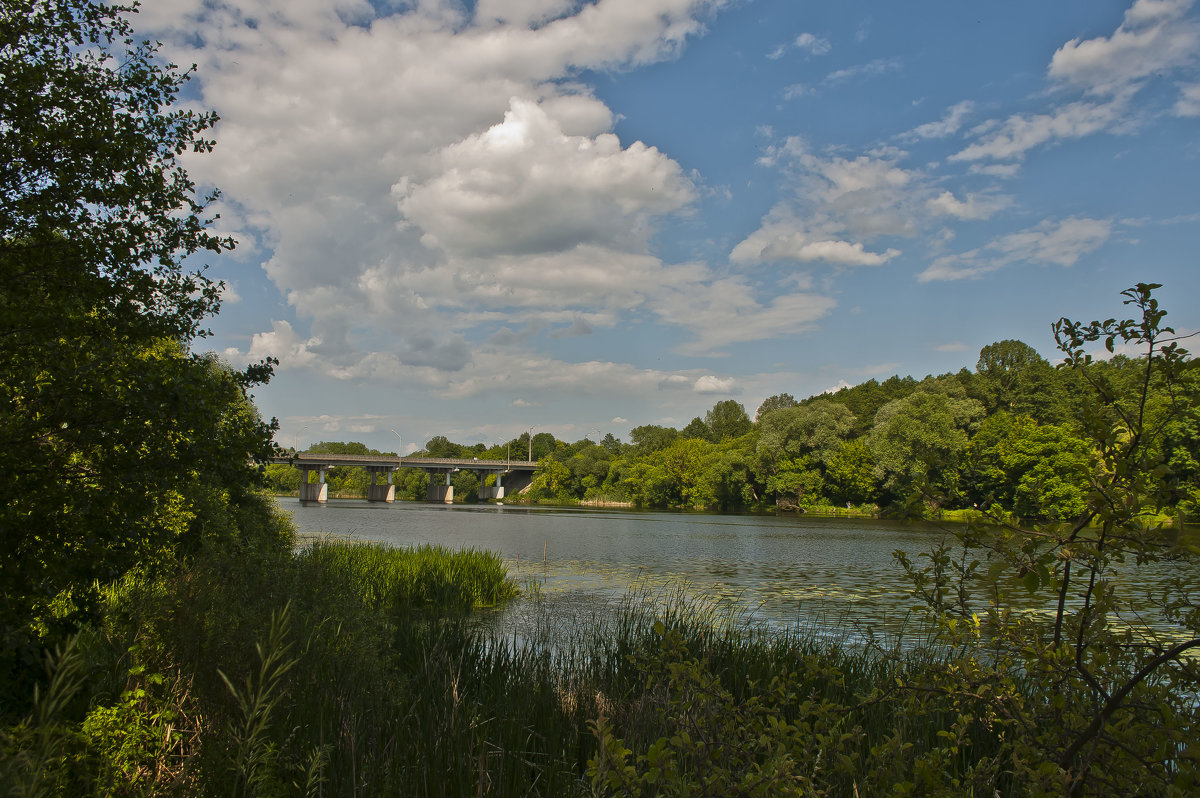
column 466, row 219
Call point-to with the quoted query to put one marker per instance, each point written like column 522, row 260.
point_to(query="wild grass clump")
column 422, row 578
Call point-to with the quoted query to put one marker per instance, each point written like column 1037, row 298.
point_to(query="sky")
column 471, row 219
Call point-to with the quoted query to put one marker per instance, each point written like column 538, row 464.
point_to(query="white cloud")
column 780, row 241
column 710, row 383
column 817, row 45
column 1060, row 243
column 1022, row 132
column 948, row 125
column 523, row 186
column 1188, row 103
column 842, row 205
column 880, row 66
column 1155, row 37
column 795, row 91
column 974, row 206
column 418, row 173
column 725, row 311
column 806, row 42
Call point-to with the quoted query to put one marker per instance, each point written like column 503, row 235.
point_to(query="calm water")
column 777, row 570
column 833, row 573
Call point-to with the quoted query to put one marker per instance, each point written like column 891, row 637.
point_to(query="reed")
column 345, row 667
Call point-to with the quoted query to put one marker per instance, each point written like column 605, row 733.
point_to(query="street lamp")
column 400, row 450
column 531, row 429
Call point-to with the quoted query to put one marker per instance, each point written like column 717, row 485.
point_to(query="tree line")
column 1008, row 435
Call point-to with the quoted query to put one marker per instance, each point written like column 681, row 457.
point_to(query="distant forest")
column 1007, row 436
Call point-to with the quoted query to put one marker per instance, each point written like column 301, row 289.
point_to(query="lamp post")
column 400, row 450
column 531, row 429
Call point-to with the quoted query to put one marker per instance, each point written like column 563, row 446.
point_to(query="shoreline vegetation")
column 161, row 634
column 316, row 666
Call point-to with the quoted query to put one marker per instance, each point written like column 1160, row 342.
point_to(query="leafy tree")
column 865, row 399
column 1119, row 715
column 120, row 447
column 1035, row 471
column 1013, row 377
column 777, row 402
column 917, row 442
column 611, row 443
column 849, row 474
column 696, row 428
column 651, row 437
column 727, row 419
column 441, row 446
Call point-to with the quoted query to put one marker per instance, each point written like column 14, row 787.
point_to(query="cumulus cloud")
column 710, row 383
column 424, row 174
column 524, row 186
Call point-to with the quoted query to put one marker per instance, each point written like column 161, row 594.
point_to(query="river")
column 779, row 570
column 834, row 574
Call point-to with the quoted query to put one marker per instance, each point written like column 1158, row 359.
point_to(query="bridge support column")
column 441, row 494
column 492, row 491
column 381, row 493
column 317, row 491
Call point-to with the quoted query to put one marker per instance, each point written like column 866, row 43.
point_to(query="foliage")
column 120, row 448
column 727, row 419
column 777, row 402
column 1118, row 711
column 850, row 473
column 919, row 438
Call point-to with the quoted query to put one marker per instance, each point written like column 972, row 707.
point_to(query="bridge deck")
column 311, row 458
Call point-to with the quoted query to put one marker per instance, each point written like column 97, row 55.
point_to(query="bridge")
column 518, row 472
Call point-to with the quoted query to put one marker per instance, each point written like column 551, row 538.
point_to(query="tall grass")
column 421, row 578
column 347, row 669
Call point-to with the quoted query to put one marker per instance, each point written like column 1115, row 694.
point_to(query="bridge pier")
column 317, row 491
column 440, row 494
column 381, row 493
column 492, row 491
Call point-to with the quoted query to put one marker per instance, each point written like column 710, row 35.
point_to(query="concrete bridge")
column 518, row 473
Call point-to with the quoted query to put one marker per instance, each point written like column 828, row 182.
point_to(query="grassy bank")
column 339, row 668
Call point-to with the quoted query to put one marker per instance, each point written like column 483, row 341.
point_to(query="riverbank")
column 272, row 668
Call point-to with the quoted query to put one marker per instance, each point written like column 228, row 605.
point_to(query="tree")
column 118, row 444
column 777, row 402
column 727, row 419
column 650, row 438
column 1114, row 709
column 917, row 442
column 1032, row 470
column 696, row 428
column 1013, row 377
column 849, row 474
